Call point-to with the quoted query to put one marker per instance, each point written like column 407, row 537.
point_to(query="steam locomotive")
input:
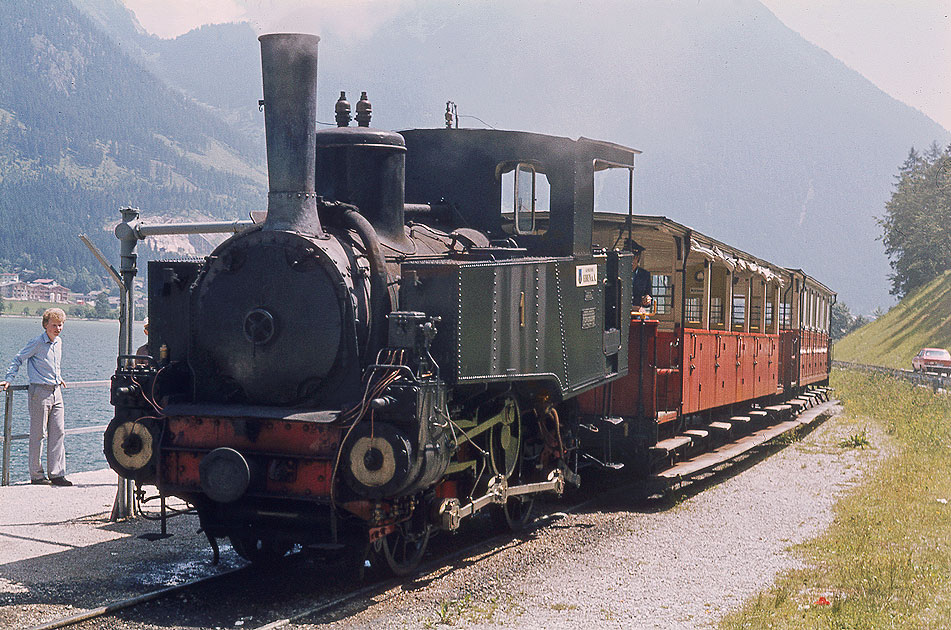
column 433, row 323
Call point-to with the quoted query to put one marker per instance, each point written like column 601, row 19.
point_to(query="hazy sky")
column 903, row 46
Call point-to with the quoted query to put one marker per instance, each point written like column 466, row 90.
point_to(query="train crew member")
column 143, row 350
column 641, row 296
column 43, row 355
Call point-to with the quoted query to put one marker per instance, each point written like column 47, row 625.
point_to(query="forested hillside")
column 218, row 65
column 84, row 129
column 921, row 320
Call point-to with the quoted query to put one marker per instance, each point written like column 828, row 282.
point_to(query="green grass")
column 922, row 319
column 467, row 610
column 856, row 440
column 35, row 309
column 885, row 562
column 15, row 307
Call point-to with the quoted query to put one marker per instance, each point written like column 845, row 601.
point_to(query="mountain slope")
column 84, row 129
column 750, row 133
column 921, row 320
column 218, row 65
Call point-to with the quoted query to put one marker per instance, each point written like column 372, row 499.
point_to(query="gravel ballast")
column 609, row 564
column 682, row 567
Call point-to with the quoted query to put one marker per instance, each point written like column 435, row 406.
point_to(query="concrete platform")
column 40, row 520
column 60, row 554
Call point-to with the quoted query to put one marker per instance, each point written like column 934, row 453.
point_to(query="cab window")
column 612, row 187
column 525, row 193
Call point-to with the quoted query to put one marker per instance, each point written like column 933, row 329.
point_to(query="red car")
column 932, row 360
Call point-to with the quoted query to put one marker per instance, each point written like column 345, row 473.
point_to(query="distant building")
column 43, row 290
column 9, row 277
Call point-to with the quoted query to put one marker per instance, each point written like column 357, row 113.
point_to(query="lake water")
column 89, row 354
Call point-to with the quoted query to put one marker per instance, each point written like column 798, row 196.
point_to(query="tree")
column 843, row 321
column 102, row 308
column 3, row 305
column 916, row 228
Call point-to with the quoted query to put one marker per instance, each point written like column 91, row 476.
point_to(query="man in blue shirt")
column 43, row 355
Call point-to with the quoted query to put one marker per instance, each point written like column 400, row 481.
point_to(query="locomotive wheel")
column 516, row 513
column 258, row 550
column 505, row 439
column 403, row 549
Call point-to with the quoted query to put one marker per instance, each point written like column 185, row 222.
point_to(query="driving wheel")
column 403, row 549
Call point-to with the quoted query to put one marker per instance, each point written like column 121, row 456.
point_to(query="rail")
column 925, row 379
column 9, row 436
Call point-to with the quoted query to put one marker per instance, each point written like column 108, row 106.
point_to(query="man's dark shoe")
column 60, row 481
column 42, row 481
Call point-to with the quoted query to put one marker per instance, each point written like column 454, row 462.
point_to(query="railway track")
column 120, row 605
column 301, row 589
column 925, row 379
column 213, row 591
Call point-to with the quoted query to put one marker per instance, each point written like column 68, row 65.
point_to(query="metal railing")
column 927, row 379
column 9, row 436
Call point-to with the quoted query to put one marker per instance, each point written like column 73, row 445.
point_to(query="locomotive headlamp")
column 372, row 460
column 378, row 460
column 129, row 447
column 132, row 445
column 225, row 475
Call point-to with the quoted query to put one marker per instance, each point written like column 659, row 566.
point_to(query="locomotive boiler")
column 435, row 323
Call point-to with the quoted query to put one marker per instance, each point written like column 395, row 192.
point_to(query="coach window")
column 807, row 310
column 663, row 289
column 719, row 296
column 812, row 310
column 739, row 311
column 773, row 306
column 695, row 287
column 741, row 301
column 693, row 311
column 757, row 302
column 716, row 312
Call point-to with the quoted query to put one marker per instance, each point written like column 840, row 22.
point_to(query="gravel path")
column 682, row 567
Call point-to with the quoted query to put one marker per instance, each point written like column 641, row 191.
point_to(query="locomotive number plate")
column 588, row 318
column 586, row 275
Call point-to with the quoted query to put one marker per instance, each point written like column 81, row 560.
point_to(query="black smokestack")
column 289, row 70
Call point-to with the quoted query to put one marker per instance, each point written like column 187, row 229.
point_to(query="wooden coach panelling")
column 725, row 368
